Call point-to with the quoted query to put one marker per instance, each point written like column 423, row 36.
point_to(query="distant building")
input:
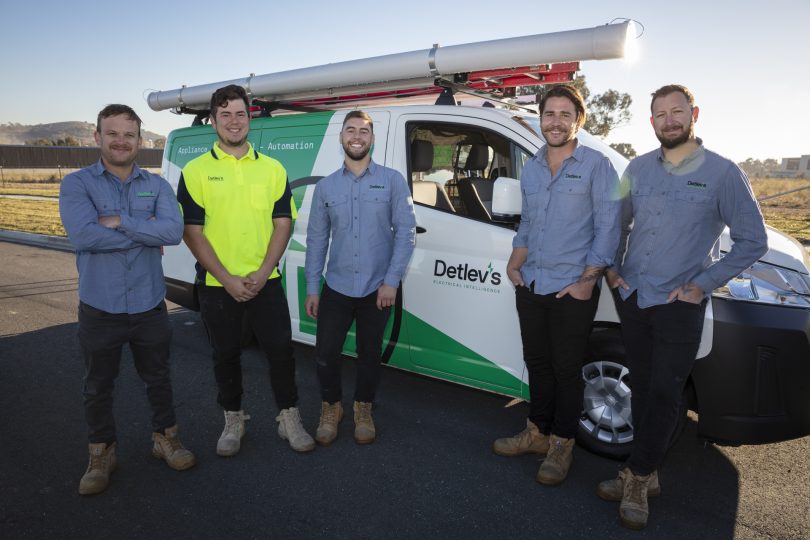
column 795, row 167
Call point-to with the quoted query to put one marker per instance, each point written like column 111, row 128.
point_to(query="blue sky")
column 746, row 61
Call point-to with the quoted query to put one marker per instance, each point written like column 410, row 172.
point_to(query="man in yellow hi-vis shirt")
column 238, row 212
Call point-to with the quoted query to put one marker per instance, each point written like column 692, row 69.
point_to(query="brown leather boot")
column 613, row 489
column 102, row 463
column 169, row 448
column 558, row 460
column 364, row 430
column 633, row 509
column 528, row 441
column 331, row 415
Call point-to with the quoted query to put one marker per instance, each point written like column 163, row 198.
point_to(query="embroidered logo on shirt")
column 216, row 178
column 145, row 194
column 696, row 184
column 573, row 176
column 376, row 186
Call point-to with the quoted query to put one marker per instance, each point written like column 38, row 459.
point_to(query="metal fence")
column 65, row 157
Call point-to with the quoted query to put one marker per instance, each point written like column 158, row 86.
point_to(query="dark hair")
column 223, row 95
column 359, row 114
column 671, row 89
column 114, row 110
column 572, row 94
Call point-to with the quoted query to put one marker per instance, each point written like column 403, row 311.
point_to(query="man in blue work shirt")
column 117, row 216
column 680, row 198
column 568, row 233
column 367, row 211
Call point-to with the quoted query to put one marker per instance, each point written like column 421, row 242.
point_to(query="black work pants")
column 102, row 336
column 335, row 315
column 269, row 318
column 661, row 343
column 555, row 336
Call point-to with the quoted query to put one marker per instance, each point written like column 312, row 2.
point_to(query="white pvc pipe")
column 599, row 43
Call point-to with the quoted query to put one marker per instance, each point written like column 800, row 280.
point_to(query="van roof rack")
column 490, row 69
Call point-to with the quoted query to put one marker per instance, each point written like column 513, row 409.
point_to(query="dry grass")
column 789, row 213
column 41, row 217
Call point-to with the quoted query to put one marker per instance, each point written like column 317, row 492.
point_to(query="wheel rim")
column 606, row 414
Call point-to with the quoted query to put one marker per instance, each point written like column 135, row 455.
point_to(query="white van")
column 455, row 316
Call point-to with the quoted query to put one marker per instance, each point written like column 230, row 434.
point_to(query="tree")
column 625, row 149
column 756, row 168
column 606, row 111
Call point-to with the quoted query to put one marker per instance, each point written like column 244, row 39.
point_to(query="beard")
column 679, row 139
column 356, row 155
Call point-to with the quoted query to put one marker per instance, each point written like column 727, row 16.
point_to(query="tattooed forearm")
column 590, row 274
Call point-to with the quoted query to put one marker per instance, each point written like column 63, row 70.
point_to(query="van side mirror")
column 506, row 201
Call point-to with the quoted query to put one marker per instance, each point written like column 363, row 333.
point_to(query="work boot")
column 169, row 448
column 555, row 467
column 102, row 463
column 633, row 509
column 231, row 439
column 331, row 415
column 613, row 489
column 528, row 441
column 291, row 429
column 364, row 431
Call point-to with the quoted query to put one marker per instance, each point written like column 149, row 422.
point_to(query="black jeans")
column 269, row 318
column 102, row 336
column 661, row 343
column 335, row 315
column 555, row 335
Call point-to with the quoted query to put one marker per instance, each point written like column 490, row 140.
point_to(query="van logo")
column 462, row 275
column 216, row 178
column 696, row 184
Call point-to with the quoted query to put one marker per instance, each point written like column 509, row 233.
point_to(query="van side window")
column 453, row 167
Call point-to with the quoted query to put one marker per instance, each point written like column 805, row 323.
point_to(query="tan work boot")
column 613, row 489
column 231, row 438
column 331, row 415
column 291, row 429
column 364, row 431
column 528, row 441
column 102, row 463
column 169, row 448
column 558, row 460
column 633, row 509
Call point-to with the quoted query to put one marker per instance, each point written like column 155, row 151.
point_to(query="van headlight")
column 768, row 284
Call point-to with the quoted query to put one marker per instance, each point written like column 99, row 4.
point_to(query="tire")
column 606, row 424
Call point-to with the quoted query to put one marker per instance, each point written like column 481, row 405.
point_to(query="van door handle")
column 420, row 230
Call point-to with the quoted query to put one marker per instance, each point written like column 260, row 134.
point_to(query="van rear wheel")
column 606, row 424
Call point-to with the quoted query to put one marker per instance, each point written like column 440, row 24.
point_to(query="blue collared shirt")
column 120, row 269
column 372, row 226
column 569, row 220
column 674, row 216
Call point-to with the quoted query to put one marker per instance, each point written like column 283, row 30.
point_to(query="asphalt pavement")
column 431, row 473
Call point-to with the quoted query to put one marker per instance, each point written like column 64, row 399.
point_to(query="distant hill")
column 14, row 133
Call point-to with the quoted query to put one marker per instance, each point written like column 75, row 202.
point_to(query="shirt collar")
column 577, row 154
column 219, row 153
column 98, row 169
column 691, row 157
column 371, row 169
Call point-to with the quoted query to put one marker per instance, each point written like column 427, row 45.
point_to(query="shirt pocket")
column 338, row 209
column 260, row 197
column 143, row 207
column 531, row 194
column 106, row 206
column 376, row 213
column 571, row 200
column 692, row 205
